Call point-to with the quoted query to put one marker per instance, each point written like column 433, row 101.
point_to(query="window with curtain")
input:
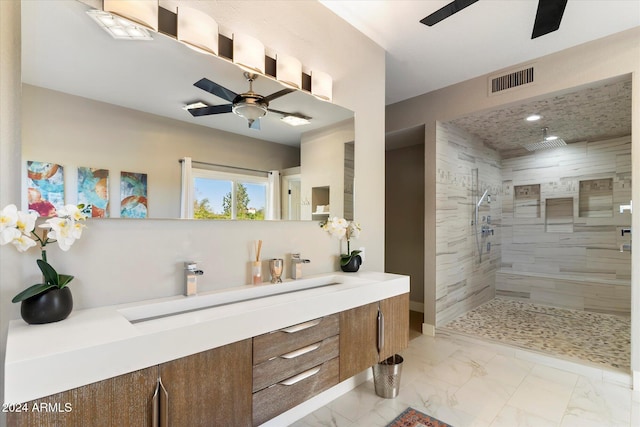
column 222, row 195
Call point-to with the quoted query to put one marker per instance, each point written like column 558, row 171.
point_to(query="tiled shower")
column 554, row 233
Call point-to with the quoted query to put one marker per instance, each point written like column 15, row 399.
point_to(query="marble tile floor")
column 472, row 384
column 586, row 337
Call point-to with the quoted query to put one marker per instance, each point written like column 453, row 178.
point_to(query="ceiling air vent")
column 511, row 80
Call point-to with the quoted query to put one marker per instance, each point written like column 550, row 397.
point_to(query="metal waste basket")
column 386, row 376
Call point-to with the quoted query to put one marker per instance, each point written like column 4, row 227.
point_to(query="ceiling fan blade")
column 548, row 17
column 446, row 11
column 278, row 94
column 215, row 89
column 211, row 109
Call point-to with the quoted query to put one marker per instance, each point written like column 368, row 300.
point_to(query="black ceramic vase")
column 353, row 265
column 48, row 307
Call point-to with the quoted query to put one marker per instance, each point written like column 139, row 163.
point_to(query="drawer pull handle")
column 301, row 351
column 301, row 326
column 304, row 375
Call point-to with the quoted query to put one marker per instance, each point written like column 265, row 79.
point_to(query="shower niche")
column 559, row 215
column 596, row 198
column 526, row 201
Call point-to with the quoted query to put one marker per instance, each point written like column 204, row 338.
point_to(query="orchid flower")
column 23, row 242
column 8, row 221
column 343, row 229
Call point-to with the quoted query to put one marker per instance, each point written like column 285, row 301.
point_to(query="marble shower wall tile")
column 576, row 252
column 462, row 281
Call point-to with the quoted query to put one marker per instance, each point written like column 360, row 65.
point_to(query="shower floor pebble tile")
column 602, row 339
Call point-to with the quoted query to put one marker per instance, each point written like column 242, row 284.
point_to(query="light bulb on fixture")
column 533, row 117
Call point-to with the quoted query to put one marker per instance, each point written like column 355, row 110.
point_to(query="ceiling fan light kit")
column 143, row 12
column 197, row 30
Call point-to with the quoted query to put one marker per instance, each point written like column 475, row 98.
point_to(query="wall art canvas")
column 133, row 195
column 45, row 187
column 93, row 191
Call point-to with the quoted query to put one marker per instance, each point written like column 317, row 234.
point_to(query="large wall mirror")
column 109, row 113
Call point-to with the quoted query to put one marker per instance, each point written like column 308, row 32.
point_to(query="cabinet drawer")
column 280, row 397
column 286, row 340
column 290, row 364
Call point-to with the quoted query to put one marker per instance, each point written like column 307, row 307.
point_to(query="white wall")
column 128, row 260
column 608, row 57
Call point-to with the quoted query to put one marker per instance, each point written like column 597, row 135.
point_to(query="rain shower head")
column 548, row 141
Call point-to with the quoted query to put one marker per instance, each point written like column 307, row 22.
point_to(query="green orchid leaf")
column 346, row 258
column 64, row 280
column 49, row 273
column 36, row 289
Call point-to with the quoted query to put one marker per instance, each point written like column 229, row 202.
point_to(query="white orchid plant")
column 343, row 229
column 19, row 229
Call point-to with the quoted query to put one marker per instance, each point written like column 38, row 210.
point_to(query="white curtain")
column 273, row 196
column 186, row 193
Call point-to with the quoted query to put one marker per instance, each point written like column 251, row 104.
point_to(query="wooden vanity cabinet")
column 241, row 384
column 396, row 325
column 208, row 388
column 211, row 388
column 293, row 364
column 359, row 329
column 121, row 401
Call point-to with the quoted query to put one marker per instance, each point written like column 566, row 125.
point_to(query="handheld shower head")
column 485, row 194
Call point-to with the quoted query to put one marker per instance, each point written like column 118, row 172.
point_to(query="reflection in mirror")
column 94, row 103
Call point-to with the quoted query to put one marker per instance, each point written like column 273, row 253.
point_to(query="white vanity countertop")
column 99, row 343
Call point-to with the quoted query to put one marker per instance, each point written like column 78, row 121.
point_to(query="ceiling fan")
column 249, row 105
column 548, row 15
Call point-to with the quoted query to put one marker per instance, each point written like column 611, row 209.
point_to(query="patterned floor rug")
column 413, row 418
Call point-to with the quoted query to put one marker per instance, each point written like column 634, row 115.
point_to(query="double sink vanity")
column 239, row 356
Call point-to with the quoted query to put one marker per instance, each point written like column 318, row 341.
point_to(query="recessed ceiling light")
column 194, row 105
column 295, row 120
column 118, row 27
column 533, row 117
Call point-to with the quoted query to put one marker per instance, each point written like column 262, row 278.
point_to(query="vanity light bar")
column 243, row 50
column 118, row 27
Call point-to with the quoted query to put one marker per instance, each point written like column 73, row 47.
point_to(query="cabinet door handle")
column 299, row 352
column 155, row 406
column 302, row 326
column 301, row 376
column 160, row 406
column 380, row 330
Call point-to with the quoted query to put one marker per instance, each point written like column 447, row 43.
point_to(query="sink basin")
column 172, row 306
